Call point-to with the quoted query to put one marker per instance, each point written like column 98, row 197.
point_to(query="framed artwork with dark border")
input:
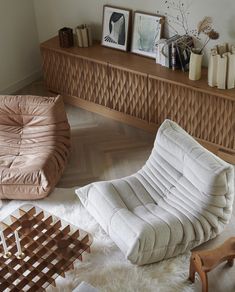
column 116, row 27
column 147, row 31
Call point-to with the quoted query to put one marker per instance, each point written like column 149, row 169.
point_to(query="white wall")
column 19, row 50
column 53, row 14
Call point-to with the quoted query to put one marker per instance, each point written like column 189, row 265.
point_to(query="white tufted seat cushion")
column 181, row 198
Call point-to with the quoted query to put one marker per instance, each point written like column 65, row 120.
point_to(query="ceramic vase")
column 195, row 65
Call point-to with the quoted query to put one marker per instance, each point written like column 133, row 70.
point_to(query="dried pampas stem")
column 205, row 25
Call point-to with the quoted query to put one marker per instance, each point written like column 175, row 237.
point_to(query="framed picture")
column 116, row 27
column 147, row 32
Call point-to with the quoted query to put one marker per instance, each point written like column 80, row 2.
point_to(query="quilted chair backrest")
column 207, row 181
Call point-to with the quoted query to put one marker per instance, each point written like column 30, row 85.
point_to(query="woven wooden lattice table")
column 50, row 245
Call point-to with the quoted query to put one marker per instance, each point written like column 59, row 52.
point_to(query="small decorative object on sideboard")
column 221, row 70
column 116, row 27
column 147, row 32
column 175, row 52
column 204, row 27
column 66, row 37
column 177, row 19
column 195, row 65
column 84, row 36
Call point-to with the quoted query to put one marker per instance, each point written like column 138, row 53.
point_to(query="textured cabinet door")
column 76, row 76
column 128, row 92
column 57, row 71
column 204, row 116
column 90, row 81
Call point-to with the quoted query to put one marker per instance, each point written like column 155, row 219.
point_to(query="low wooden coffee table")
column 50, row 245
column 204, row 261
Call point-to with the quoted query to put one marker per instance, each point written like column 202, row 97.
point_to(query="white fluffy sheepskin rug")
column 106, row 268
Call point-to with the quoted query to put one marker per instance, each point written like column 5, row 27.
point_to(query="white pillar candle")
column 4, row 243
column 18, row 242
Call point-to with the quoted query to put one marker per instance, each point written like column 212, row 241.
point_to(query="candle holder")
column 66, row 37
column 20, row 256
column 7, row 255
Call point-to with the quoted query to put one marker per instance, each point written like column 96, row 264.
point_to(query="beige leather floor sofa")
column 182, row 197
column 34, row 145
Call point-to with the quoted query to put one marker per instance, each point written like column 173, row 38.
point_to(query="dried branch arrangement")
column 205, row 27
column 177, row 15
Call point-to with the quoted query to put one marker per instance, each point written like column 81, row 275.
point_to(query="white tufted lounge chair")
column 182, row 197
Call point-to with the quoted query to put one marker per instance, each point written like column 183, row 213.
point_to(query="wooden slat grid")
column 50, row 245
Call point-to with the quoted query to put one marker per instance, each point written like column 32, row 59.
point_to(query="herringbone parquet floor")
column 102, row 149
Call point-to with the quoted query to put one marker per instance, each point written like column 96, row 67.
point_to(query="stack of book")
column 84, row 37
column 175, row 52
column 221, row 70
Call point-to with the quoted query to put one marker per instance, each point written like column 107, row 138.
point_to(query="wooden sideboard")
column 134, row 90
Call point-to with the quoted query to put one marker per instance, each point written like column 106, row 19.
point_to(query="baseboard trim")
column 110, row 113
column 22, row 83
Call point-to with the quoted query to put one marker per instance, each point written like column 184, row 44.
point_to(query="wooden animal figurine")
column 204, row 261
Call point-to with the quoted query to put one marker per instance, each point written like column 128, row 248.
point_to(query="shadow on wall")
column 231, row 31
column 96, row 30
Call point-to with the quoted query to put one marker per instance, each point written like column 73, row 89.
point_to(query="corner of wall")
column 14, row 87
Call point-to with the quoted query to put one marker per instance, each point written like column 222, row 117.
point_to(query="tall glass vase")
column 195, row 66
